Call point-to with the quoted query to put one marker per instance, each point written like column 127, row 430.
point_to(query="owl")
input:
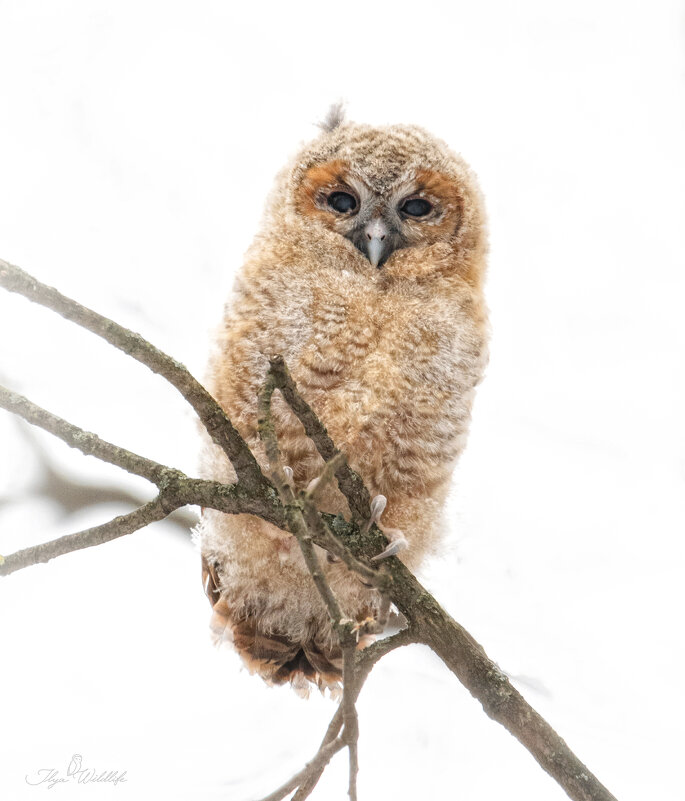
column 366, row 276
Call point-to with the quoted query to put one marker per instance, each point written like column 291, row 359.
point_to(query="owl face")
column 398, row 194
column 421, row 207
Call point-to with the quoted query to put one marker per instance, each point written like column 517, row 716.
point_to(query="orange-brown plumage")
column 322, row 177
column 388, row 357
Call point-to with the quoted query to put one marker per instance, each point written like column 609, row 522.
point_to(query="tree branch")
column 88, row 443
column 156, row 510
column 485, row 681
column 458, row 650
column 317, row 763
column 351, row 682
column 344, row 627
column 350, row 483
column 310, row 782
column 293, row 511
column 364, row 662
column 255, row 494
column 208, row 410
column 369, row 656
column 229, row 498
column 324, row 536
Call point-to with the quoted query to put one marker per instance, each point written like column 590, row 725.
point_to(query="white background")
column 137, row 143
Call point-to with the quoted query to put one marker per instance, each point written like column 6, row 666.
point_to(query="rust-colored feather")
column 276, row 657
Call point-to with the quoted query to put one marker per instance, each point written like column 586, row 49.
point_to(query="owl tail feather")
column 275, row 657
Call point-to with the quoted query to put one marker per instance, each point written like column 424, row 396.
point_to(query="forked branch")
column 255, row 494
column 342, row 626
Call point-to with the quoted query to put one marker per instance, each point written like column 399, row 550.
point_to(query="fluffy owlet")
column 366, row 276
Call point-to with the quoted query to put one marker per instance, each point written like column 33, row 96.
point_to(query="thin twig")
column 208, row 410
column 327, row 539
column 364, row 663
column 358, row 670
column 299, row 528
column 311, row 781
column 153, row 511
column 318, row 762
column 293, row 511
column 178, row 491
column 228, row 498
column 336, row 464
column 72, row 494
column 369, row 656
column 316, row 488
column 351, row 730
column 88, row 443
column 350, row 483
column 342, row 626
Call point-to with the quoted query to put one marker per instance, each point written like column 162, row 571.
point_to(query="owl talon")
column 378, row 504
column 397, row 539
column 397, row 543
column 288, row 475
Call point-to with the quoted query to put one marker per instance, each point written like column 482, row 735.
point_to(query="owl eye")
column 416, row 207
column 342, row 202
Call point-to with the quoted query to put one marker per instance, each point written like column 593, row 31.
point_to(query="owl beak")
column 376, row 240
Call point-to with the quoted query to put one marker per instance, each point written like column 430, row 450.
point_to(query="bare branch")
column 344, row 627
column 355, row 673
column 317, row 486
column 351, row 730
column 317, row 763
column 254, row 494
column 177, row 490
column 88, row 443
column 306, row 787
column 367, row 658
column 293, row 512
column 364, row 662
column 350, row 483
column 72, row 494
column 430, row 624
column 327, row 539
column 229, row 498
column 485, row 681
column 156, row 510
column 208, row 410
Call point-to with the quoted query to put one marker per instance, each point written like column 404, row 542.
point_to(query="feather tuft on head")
column 334, row 117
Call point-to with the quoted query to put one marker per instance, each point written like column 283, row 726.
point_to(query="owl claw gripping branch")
column 366, row 276
column 396, row 538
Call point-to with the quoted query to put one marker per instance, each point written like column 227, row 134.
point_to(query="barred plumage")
column 386, row 342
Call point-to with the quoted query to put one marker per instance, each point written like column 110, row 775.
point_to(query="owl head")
column 395, row 199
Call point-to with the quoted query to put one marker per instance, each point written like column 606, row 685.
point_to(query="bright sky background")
column 137, row 143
